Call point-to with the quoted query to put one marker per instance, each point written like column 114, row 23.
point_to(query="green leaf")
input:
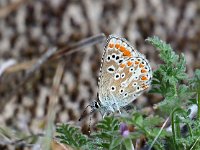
column 166, row 52
column 108, row 135
column 128, row 144
column 138, row 119
column 192, row 101
column 115, row 142
column 152, row 121
column 108, row 124
column 195, row 82
column 169, row 75
column 71, row 136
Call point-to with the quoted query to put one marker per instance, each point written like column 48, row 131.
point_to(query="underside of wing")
column 125, row 73
column 131, row 80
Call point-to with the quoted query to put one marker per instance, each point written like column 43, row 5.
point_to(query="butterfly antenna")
column 89, row 130
column 90, row 117
column 83, row 113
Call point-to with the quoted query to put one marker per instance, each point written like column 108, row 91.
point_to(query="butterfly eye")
column 96, row 105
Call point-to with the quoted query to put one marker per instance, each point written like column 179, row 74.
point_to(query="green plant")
column 169, row 80
column 71, row 136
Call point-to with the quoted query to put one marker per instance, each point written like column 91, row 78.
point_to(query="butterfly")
column 125, row 74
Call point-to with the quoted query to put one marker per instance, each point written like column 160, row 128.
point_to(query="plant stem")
column 175, row 90
column 190, row 129
column 173, row 130
column 198, row 105
column 175, row 127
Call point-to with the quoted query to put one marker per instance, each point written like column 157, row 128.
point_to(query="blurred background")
column 29, row 27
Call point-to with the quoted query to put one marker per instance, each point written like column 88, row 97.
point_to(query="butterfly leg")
column 104, row 115
column 119, row 111
column 111, row 108
column 116, row 107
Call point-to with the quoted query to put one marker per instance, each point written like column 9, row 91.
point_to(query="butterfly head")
column 95, row 105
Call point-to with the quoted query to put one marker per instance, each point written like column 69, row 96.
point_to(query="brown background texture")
column 29, row 27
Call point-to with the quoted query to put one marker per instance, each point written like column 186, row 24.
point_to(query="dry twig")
column 46, row 141
column 65, row 51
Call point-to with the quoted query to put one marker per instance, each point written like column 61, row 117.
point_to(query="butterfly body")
column 125, row 73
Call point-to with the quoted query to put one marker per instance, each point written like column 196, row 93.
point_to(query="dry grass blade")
column 161, row 129
column 46, row 141
column 40, row 62
column 99, row 38
column 6, row 65
column 194, row 143
column 9, row 136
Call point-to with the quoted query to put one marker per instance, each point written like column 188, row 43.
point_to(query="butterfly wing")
column 134, row 78
column 120, row 60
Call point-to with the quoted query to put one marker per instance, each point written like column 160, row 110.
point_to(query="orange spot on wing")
column 111, row 45
column 122, row 65
column 144, row 78
column 117, row 45
column 122, row 48
column 127, row 53
column 129, row 63
column 143, row 71
column 141, row 65
column 145, row 87
column 136, row 62
column 124, row 51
